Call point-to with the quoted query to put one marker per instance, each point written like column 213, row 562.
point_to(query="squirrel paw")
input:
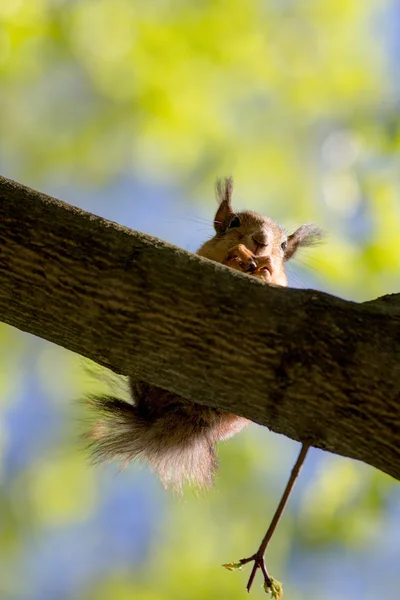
column 263, row 270
column 241, row 259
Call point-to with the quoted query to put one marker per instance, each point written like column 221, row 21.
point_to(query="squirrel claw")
column 251, row 267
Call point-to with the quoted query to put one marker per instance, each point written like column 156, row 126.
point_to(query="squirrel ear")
column 306, row 235
column 224, row 213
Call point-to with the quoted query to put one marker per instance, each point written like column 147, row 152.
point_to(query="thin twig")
column 258, row 557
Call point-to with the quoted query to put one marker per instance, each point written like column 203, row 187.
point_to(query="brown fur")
column 176, row 437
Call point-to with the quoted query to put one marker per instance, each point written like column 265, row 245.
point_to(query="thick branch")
column 308, row 365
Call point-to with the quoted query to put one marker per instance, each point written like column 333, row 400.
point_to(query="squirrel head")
column 265, row 239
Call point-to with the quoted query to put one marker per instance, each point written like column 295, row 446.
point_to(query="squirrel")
column 176, row 437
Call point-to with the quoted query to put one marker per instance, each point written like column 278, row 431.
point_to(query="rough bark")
column 303, row 363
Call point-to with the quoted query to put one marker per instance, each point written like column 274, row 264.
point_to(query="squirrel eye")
column 284, row 245
column 234, row 222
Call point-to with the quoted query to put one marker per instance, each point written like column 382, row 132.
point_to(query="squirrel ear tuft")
column 306, row 235
column 223, row 189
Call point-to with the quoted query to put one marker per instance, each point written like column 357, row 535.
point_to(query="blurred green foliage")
column 299, row 101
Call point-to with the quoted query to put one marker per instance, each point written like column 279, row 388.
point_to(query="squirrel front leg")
column 241, row 258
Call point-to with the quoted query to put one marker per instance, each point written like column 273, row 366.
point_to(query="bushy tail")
column 174, row 437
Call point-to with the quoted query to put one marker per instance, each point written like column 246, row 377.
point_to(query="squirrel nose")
column 260, row 238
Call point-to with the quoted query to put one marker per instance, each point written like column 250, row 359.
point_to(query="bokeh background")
column 131, row 109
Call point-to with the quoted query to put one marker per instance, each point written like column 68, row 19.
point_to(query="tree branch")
column 306, row 364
